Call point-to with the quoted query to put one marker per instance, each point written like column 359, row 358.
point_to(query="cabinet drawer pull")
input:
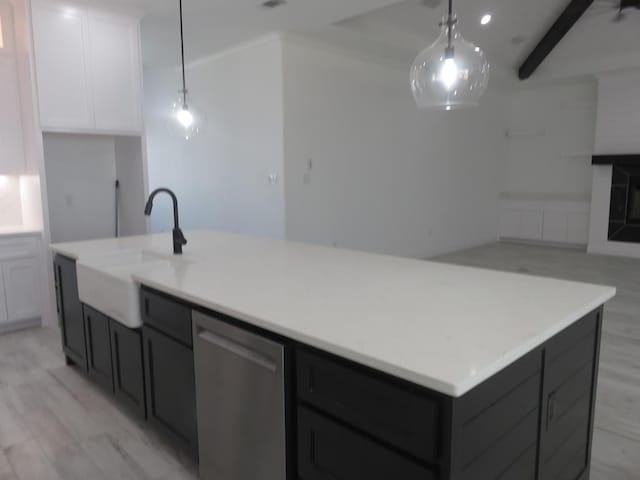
column 238, row 349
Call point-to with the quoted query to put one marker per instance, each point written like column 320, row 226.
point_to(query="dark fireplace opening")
column 624, row 213
column 633, row 207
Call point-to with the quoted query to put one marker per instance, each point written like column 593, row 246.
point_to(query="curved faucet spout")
column 178, row 237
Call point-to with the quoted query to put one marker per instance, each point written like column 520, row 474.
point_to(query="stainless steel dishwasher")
column 240, row 402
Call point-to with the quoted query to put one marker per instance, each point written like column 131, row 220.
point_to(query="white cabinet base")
column 20, row 283
column 9, row 327
column 22, row 288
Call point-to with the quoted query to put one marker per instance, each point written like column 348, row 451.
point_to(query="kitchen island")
column 389, row 367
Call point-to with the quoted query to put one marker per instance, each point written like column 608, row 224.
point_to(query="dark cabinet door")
column 128, row 368
column 171, row 389
column 328, row 451
column 566, row 430
column 70, row 311
column 98, row 341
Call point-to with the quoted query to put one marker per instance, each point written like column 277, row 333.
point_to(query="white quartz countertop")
column 445, row 327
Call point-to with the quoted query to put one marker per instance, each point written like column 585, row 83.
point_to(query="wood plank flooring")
column 56, row 425
column 616, row 449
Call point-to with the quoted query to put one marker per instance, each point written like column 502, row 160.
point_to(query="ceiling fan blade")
column 629, row 4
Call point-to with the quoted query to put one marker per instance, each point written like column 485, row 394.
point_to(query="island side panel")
column 494, row 428
column 534, row 419
column 569, row 395
column 70, row 311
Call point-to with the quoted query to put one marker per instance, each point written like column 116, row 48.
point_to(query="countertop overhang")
column 445, row 327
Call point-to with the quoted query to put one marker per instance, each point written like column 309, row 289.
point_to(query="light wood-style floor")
column 616, row 449
column 56, row 425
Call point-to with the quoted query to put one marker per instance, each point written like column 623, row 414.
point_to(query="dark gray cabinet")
column 571, row 370
column 171, row 388
column 128, row 367
column 70, row 311
column 531, row 421
column 169, row 368
column 98, row 341
column 328, row 450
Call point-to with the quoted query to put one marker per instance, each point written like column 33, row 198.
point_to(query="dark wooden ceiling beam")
column 556, row 33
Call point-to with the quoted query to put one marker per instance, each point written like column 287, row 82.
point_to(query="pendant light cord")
column 184, row 75
column 449, row 21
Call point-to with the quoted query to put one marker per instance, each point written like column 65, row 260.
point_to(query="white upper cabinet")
column 60, row 38
column 88, row 69
column 114, row 63
column 12, row 159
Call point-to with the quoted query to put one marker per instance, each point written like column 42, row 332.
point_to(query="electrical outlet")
column 273, row 178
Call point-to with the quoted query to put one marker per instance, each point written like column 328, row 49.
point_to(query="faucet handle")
column 178, row 241
column 179, row 236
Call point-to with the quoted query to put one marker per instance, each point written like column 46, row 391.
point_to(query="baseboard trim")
column 543, row 243
column 20, row 325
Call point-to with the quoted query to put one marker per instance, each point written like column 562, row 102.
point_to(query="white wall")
column 10, row 202
column 81, row 173
column 222, row 177
column 550, row 140
column 385, row 177
column 618, row 132
column 131, row 175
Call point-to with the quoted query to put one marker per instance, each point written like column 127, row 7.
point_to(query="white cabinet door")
column 60, row 38
column 578, row 228
column 531, row 227
column 12, row 160
column 555, row 226
column 11, row 141
column 115, row 72
column 22, row 288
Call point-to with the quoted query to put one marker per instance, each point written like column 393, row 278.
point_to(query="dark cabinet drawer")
column 329, row 451
column 128, row 367
column 167, row 315
column 396, row 414
column 98, row 347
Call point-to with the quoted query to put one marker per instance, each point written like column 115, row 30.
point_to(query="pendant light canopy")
column 185, row 121
column 450, row 74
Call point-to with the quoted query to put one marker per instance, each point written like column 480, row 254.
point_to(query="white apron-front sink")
column 105, row 283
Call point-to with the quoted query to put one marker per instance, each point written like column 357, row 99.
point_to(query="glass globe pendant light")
column 450, row 74
column 185, row 121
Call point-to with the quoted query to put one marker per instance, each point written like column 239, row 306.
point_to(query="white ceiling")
column 594, row 44
column 398, row 29
column 214, row 25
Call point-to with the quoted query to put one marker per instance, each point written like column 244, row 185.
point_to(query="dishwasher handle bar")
column 237, row 349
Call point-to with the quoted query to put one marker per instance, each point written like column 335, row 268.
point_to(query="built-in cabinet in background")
column 20, row 303
column 88, row 69
column 12, row 158
column 553, row 220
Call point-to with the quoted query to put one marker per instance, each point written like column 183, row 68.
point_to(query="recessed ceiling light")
column 486, row 19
